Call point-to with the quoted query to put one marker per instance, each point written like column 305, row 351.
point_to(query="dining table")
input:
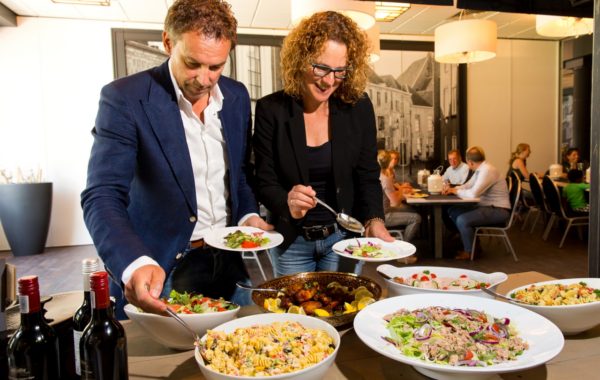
column 436, row 202
column 355, row 360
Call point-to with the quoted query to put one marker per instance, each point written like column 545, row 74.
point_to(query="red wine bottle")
column 103, row 346
column 83, row 315
column 33, row 349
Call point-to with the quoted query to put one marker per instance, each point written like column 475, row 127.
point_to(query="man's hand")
column 258, row 222
column 377, row 229
column 300, row 200
column 144, row 288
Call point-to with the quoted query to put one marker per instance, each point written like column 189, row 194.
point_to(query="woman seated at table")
column 518, row 161
column 572, row 160
column 396, row 213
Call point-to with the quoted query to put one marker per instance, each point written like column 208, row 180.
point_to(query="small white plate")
column 399, row 249
column 216, row 238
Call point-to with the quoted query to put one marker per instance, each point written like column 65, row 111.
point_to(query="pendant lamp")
column 465, row 41
column 362, row 12
column 558, row 26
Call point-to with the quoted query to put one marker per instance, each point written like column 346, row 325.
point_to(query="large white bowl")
column 396, row 289
column 570, row 319
column 544, row 338
column 314, row 372
column 166, row 330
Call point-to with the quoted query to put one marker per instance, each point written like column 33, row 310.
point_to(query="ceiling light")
column 374, row 46
column 559, row 26
column 465, row 41
column 360, row 11
column 83, row 2
column 387, row 11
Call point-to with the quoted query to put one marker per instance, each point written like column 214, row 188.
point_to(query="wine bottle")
column 33, row 349
column 103, row 346
column 83, row 315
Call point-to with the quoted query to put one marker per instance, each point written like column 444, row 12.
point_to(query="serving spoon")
column 184, row 324
column 344, row 220
column 501, row 296
column 248, row 287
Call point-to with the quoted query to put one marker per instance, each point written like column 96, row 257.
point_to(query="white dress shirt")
column 458, row 175
column 488, row 185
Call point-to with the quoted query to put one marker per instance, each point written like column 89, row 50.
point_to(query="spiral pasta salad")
column 457, row 337
column 266, row 350
column 557, row 294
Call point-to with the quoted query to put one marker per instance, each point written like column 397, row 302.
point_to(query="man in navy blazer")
column 168, row 165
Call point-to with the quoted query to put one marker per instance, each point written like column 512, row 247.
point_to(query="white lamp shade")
column 362, row 12
column 558, row 26
column 465, row 41
column 374, row 46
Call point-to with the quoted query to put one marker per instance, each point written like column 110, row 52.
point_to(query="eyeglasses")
column 320, row 71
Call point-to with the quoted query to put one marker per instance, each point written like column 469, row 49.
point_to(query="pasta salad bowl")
column 409, row 280
column 572, row 304
column 235, row 349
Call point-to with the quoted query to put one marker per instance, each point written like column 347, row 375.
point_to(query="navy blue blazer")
column 140, row 197
column 279, row 145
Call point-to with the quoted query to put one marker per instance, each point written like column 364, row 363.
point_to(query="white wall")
column 513, row 98
column 51, row 72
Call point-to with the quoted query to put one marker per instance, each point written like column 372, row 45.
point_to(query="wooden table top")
column 578, row 359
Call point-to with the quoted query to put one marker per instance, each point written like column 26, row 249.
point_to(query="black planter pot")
column 25, row 210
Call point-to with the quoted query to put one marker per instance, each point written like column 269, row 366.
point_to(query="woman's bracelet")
column 368, row 222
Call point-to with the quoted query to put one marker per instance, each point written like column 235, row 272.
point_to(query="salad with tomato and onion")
column 369, row 249
column 457, row 337
column 187, row 303
column 240, row 239
column 429, row 280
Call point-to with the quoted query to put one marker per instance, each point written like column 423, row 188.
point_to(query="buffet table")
column 578, row 359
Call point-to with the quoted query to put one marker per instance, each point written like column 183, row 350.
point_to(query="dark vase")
column 25, row 210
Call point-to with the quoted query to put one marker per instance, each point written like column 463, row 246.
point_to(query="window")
column 254, row 72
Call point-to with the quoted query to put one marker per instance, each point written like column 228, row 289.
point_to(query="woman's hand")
column 377, row 229
column 301, row 199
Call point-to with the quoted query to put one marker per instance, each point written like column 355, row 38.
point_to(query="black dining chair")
column 501, row 231
column 558, row 211
column 538, row 207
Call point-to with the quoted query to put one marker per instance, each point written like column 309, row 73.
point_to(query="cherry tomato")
column 249, row 244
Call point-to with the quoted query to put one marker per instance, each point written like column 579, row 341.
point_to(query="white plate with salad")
column 243, row 239
column 458, row 337
column 373, row 249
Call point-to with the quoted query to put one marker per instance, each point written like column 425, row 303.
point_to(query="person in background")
column 574, row 192
column 518, row 161
column 493, row 208
column 572, row 160
column 168, row 166
column 317, row 138
column 458, row 172
column 397, row 213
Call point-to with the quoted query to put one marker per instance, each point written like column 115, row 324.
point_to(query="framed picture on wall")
column 417, row 101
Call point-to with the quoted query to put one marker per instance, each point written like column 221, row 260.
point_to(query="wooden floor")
column 59, row 269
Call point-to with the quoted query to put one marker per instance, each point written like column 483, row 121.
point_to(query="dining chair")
column 252, row 255
column 500, row 231
column 541, row 206
column 558, row 211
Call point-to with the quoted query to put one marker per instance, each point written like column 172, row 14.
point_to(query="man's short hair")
column 575, row 175
column 457, row 152
column 475, row 154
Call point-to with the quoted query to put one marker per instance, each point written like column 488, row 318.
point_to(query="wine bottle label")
column 76, row 340
column 24, row 304
column 20, row 374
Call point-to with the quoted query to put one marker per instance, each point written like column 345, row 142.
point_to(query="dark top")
column 321, row 180
column 280, row 153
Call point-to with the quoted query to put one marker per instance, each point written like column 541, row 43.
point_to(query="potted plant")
column 25, row 208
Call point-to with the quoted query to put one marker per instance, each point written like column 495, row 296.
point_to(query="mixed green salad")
column 187, row 303
column 240, row 239
column 457, row 337
column 368, row 249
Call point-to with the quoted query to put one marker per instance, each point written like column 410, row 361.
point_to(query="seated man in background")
column 574, row 192
column 493, row 208
column 458, row 172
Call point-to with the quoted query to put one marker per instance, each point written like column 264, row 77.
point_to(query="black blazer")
column 279, row 144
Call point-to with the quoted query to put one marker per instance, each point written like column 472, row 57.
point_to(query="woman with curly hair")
column 317, row 138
